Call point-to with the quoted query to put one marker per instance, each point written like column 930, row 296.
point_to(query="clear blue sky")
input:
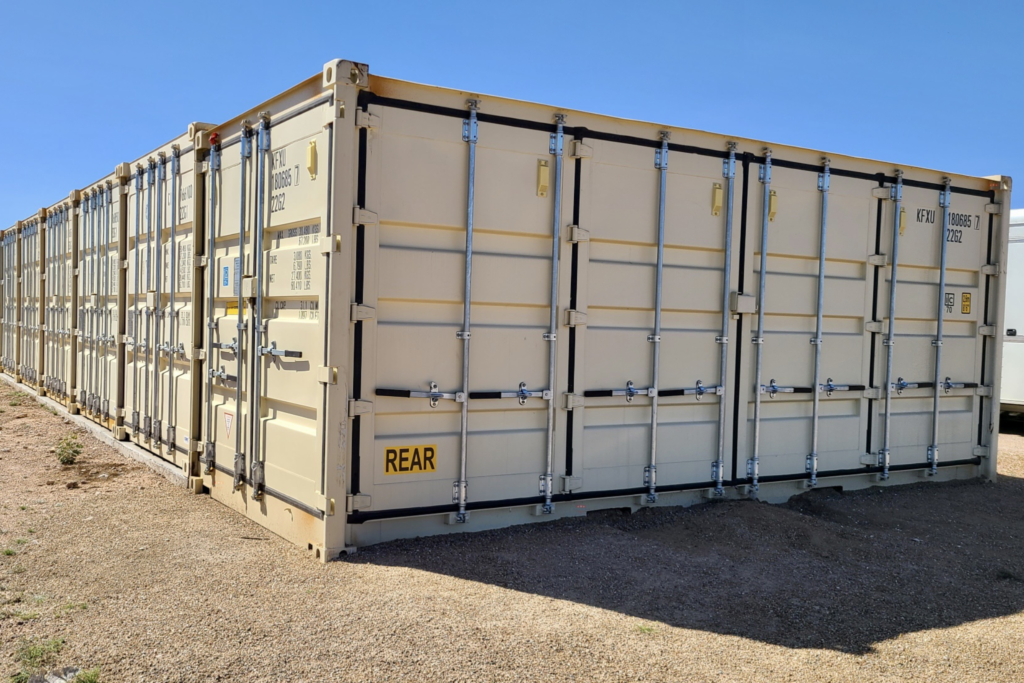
column 935, row 84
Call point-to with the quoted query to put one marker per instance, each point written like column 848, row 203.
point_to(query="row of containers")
column 369, row 309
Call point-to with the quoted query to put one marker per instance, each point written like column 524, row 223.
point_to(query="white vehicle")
column 1012, row 400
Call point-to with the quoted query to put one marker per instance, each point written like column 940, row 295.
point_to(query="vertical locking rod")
column 469, row 135
column 660, row 163
column 256, row 397
column 209, row 449
column 557, row 148
column 172, row 312
column 48, row 372
column 240, row 326
column 824, row 179
column 104, row 401
column 94, row 361
column 158, row 310
column 896, row 194
column 150, row 182
column 136, row 318
column 933, row 451
column 729, row 173
column 754, row 468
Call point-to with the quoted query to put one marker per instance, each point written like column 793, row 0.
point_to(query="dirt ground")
column 148, row 582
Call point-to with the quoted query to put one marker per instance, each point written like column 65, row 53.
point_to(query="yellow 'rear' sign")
column 410, row 459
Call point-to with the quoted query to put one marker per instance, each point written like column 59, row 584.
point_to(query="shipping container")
column 99, row 299
column 59, row 358
column 158, row 396
column 369, row 309
column 1012, row 395
column 26, row 314
column 11, row 309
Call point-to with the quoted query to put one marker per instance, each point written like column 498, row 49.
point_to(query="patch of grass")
column 15, row 401
column 68, row 450
column 72, row 606
column 38, row 653
column 644, row 628
column 31, row 531
column 18, row 614
column 21, row 677
column 21, row 541
column 8, row 552
column 52, row 411
column 23, row 507
column 90, row 676
column 18, row 569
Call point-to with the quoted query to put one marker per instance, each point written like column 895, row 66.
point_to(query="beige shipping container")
column 10, row 339
column 101, row 214
column 158, row 403
column 369, row 309
column 30, row 297
column 59, row 357
column 535, row 312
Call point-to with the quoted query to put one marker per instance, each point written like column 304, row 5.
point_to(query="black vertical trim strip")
column 357, row 333
column 984, row 345
column 739, row 323
column 874, row 316
column 570, row 384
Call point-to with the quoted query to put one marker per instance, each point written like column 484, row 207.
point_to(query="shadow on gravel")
column 827, row 570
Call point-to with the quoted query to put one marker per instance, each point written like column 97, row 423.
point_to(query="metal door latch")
column 272, row 350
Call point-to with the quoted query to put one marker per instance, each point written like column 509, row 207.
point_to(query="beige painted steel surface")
column 59, row 356
column 11, row 338
column 30, row 247
column 159, row 275
column 101, row 215
column 298, row 289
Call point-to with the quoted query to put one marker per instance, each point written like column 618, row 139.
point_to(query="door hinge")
column 124, row 264
column 877, row 260
column 361, row 312
column 327, row 374
column 202, row 261
column 995, row 209
column 575, row 318
column 873, row 393
column 987, row 330
column 578, row 234
column 980, row 451
column 357, row 501
column 198, row 354
column 573, row 401
column 365, row 119
column 581, row 150
column 983, row 391
column 881, row 193
column 742, row 303
column 331, row 244
column 873, row 326
column 362, row 216
column 357, row 407
column 571, row 483
column 990, row 269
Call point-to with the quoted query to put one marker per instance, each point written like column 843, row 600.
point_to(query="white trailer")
column 1012, row 400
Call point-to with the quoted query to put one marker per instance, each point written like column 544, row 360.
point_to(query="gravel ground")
column 148, row 582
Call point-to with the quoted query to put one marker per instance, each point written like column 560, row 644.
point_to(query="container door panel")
column 791, row 304
column 621, row 202
column 417, row 177
column 963, row 310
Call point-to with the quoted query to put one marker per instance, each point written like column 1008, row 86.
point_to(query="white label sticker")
column 228, row 417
